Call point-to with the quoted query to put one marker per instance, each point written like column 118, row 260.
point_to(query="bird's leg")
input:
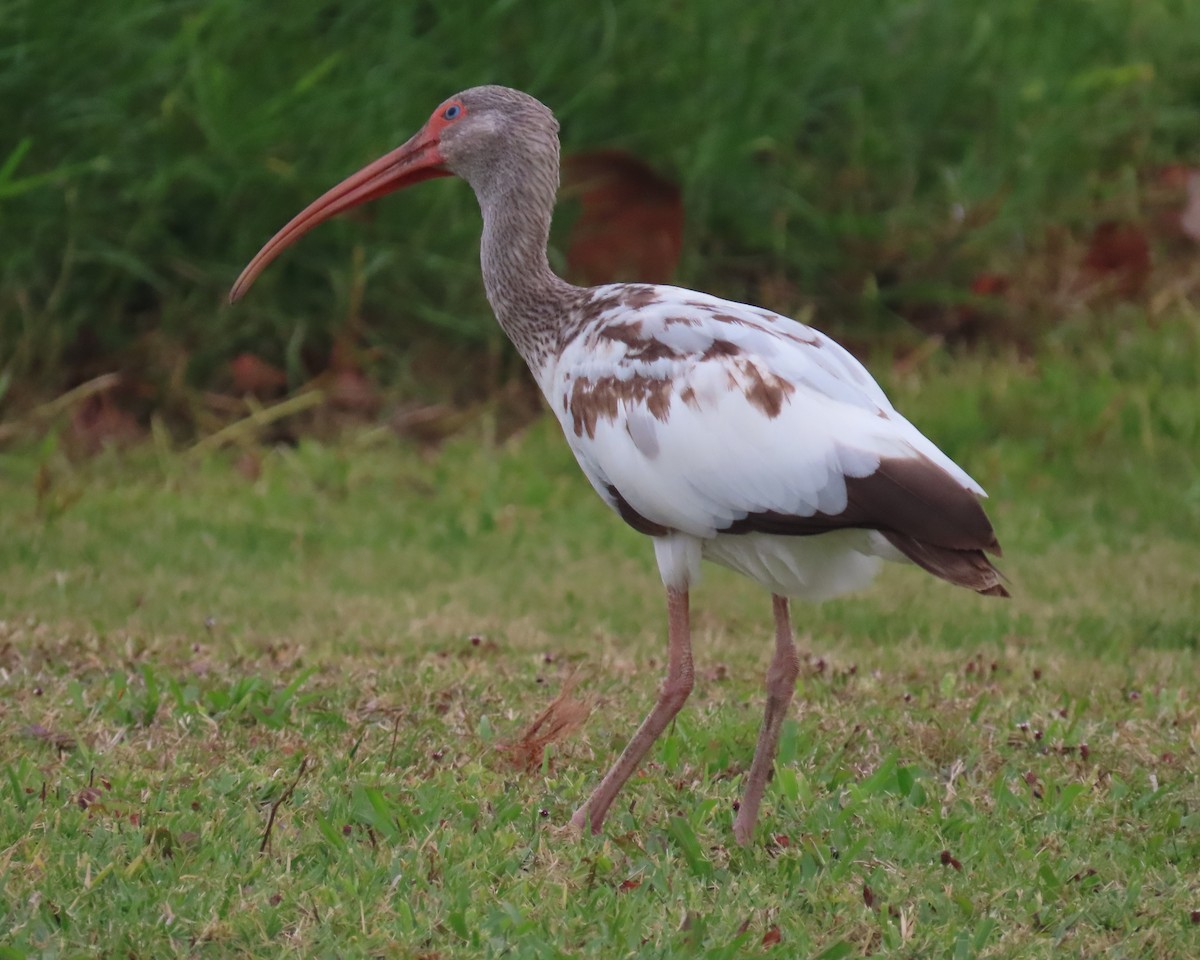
column 671, row 697
column 781, row 684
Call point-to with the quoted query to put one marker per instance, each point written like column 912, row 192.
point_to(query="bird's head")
column 484, row 130
column 484, row 135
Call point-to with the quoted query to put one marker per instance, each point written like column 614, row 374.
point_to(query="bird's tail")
column 966, row 568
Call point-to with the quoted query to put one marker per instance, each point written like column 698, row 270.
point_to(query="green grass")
column 857, row 154
column 184, row 651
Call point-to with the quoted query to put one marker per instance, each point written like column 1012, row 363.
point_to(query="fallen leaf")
column 255, row 376
column 631, row 226
column 1119, row 253
column 88, row 797
column 989, row 284
column 631, row 884
column 1173, row 176
column 772, row 936
column 558, row 721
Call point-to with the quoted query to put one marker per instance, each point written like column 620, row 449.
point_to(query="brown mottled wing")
column 697, row 415
column 924, row 513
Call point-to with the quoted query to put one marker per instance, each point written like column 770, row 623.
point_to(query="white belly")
column 811, row 568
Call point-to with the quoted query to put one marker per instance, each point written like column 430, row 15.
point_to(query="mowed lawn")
column 265, row 717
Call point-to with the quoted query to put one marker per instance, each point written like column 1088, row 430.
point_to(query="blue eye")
column 452, row 112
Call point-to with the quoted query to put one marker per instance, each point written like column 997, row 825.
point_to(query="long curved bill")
column 418, row 159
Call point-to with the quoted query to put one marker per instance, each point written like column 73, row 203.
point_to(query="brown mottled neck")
column 516, row 196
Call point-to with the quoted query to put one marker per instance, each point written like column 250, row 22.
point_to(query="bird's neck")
column 530, row 301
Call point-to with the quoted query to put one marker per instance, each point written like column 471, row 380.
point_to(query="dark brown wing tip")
column 965, row 568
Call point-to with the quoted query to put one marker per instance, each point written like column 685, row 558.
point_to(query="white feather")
column 719, row 452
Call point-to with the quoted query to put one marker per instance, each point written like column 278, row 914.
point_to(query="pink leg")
column 781, row 685
column 671, row 697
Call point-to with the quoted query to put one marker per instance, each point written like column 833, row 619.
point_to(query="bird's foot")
column 743, row 829
column 568, row 831
column 579, row 822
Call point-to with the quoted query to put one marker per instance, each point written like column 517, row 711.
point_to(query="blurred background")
column 902, row 174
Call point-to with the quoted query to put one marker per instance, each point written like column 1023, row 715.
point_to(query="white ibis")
column 720, row 430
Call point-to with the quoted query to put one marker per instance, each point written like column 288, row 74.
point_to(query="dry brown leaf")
column 631, row 227
column 255, row 376
column 559, row 720
column 89, row 797
column 1120, row 253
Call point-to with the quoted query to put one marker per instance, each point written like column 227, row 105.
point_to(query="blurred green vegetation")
column 150, row 147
